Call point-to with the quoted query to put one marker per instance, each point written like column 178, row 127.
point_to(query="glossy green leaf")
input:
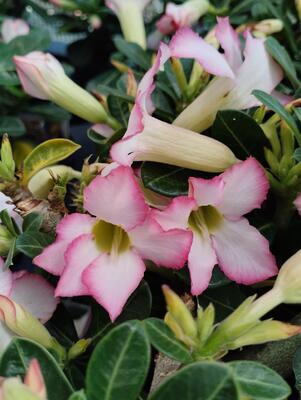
column 12, row 125
column 279, row 53
column 167, row 180
column 258, row 382
column 241, row 133
column 133, row 52
column 164, row 340
column 33, row 243
column 46, row 154
column 119, row 109
column 50, row 112
column 16, row 359
column 119, row 364
column 198, row 381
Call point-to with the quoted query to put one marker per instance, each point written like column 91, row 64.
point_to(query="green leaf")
column 165, row 179
column 164, row 340
column 258, row 382
column 241, row 133
column 272, row 103
column 297, row 154
column 11, row 253
column 14, row 127
column 133, row 52
column 32, row 222
column 119, row 364
column 9, row 78
column 16, row 359
column 119, row 109
column 198, row 381
column 6, row 219
column 107, row 90
column 33, row 243
column 46, row 154
column 50, row 112
column 78, row 396
column 279, row 53
column 297, row 369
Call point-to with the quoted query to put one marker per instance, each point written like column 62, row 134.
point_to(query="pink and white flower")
column 213, row 212
column 102, row 255
column 257, row 70
column 12, row 28
column 181, row 15
column 149, row 139
column 26, row 302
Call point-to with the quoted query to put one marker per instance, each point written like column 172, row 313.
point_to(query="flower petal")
column 116, row 198
column 166, row 248
column 243, row 253
column 210, row 59
column 52, row 258
column 229, row 41
column 246, row 187
column 36, row 295
column 79, row 255
column 176, row 214
column 258, row 71
column 112, row 279
column 201, row 261
column 206, row 191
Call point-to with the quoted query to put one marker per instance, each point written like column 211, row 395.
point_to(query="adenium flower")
column 26, row 302
column 213, row 212
column 33, row 387
column 102, row 255
column 43, row 77
column 130, row 15
column 12, row 28
column 181, row 15
column 257, row 70
column 149, row 139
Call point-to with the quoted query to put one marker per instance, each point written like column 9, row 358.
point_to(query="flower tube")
column 130, row 15
column 43, row 77
column 258, row 70
column 149, row 139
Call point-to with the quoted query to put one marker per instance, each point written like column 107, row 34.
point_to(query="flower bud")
column 205, row 323
column 266, row 331
column 43, row 77
column 130, row 15
column 34, row 379
column 78, row 348
column 267, row 27
column 288, row 282
column 22, row 323
column 179, row 313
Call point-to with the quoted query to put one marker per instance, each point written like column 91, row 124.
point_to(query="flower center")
column 110, row 238
column 205, row 216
